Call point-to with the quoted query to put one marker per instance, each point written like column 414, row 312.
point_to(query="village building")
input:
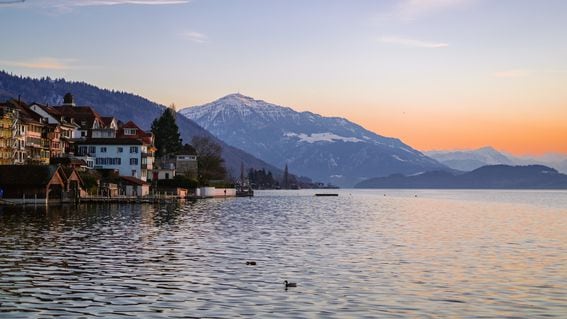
column 184, row 163
column 62, row 128
column 78, row 138
column 132, row 186
column 121, row 154
column 31, row 136
column 32, row 184
column 8, row 122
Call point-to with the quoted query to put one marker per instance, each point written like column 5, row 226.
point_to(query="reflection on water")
column 362, row 254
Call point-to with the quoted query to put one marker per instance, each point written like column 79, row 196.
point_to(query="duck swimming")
column 289, row 284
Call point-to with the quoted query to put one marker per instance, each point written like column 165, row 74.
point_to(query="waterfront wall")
column 215, row 192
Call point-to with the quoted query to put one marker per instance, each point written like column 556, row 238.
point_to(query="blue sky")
column 439, row 74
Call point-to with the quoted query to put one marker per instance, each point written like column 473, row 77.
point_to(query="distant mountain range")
column 486, row 177
column 328, row 149
column 468, row 160
column 122, row 105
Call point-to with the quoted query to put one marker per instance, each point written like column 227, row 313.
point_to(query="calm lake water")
column 379, row 253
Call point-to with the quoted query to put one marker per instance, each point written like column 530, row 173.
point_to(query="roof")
column 57, row 115
column 146, row 137
column 27, row 175
column 110, row 141
column 48, row 109
column 131, row 124
column 26, row 115
column 81, row 114
column 133, row 180
column 107, row 120
column 68, row 172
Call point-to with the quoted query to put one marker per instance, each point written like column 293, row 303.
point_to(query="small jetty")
column 326, row 194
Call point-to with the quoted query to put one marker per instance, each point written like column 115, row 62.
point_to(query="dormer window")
column 129, row 131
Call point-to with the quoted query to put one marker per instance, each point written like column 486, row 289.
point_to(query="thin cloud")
column 45, row 63
column 411, row 10
column 195, row 37
column 512, row 73
column 84, row 3
column 412, row 43
column 69, row 4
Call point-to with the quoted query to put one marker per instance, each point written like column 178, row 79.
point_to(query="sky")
column 438, row 74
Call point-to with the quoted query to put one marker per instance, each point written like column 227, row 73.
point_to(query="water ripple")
column 362, row 254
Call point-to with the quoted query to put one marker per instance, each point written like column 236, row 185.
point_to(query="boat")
column 243, row 191
column 326, row 194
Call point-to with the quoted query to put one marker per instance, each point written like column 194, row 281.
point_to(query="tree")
column 209, row 159
column 166, row 133
column 260, row 179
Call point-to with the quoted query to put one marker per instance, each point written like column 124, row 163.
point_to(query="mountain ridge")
column 329, row 149
column 468, row 160
column 486, row 177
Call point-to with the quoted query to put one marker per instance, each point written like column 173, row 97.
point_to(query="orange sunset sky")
column 438, row 74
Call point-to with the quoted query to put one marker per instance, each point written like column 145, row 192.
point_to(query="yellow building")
column 8, row 120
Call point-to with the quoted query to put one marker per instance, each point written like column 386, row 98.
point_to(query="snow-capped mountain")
column 468, row 160
column 328, row 149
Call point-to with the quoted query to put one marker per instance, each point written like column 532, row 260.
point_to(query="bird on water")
column 289, row 284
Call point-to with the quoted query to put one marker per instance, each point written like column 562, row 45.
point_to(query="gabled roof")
column 68, row 172
column 146, row 137
column 57, row 115
column 48, row 109
column 81, row 114
column 130, row 124
column 107, row 120
column 27, row 175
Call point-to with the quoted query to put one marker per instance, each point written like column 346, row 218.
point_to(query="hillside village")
column 66, row 152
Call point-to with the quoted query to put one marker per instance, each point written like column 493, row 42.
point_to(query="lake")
column 363, row 254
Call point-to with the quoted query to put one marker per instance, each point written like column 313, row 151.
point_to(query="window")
column 133, row 161
column 120, row 150
column 83, row 134
column 103, row 149
column 108, row 161
column 92, row 149
column 133, row 149
column 134, row 172
column 129, row 131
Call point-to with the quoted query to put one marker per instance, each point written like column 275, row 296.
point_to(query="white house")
column 128, row 156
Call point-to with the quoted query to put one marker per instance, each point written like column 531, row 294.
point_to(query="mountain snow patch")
column 398, row 158
column 322, row 137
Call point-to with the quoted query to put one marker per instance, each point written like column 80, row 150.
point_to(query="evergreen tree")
column 166, row 133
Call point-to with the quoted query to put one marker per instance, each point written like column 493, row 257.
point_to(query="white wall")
column 124, row 168
column 215, row 192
